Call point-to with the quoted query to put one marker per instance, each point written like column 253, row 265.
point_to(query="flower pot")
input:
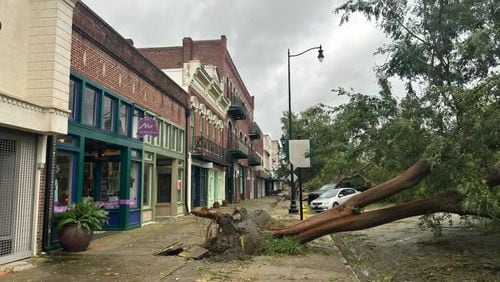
column 73, row 239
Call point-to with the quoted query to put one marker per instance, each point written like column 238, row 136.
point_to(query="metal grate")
column 17, row 171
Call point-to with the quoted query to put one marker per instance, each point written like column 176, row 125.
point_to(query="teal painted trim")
column 163, row 151
column 97, row 134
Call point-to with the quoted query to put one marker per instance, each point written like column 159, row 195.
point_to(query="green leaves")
column 86, row 215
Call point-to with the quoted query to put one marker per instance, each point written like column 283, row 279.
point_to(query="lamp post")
column 293, row 205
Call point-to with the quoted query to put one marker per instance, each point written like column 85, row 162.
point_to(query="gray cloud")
column 259, row 33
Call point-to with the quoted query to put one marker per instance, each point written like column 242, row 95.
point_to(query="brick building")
column 206, row 159
column 112, row 90
column 238, row 131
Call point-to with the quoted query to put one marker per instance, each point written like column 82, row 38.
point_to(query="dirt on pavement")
column 403, row 251
column 398, row 251
column 130, row 256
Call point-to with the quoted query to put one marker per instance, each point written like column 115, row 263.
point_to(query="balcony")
column 237, row 150
column 255, row 132
column 207, row 150
column 254, row 160
column 237, row 109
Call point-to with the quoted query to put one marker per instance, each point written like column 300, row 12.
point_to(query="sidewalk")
column 129, row 256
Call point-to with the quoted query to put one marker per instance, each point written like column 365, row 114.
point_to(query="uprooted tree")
column 443, row 133
column 438, row 143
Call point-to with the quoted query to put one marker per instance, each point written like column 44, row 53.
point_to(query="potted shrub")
column 76, row 226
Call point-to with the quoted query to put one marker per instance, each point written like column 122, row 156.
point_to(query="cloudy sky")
column 259, row 32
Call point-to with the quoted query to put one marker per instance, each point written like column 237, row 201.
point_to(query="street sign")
column 298, row 151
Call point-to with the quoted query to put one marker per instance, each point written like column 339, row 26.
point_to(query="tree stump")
column 233, row 236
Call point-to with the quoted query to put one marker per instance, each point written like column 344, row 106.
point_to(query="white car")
column 332, row 198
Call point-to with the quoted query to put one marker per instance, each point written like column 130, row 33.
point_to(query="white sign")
column 298, row 151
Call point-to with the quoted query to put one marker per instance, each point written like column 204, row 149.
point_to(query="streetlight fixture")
column 293, row 204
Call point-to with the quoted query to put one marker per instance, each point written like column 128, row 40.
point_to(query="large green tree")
column 445, row 128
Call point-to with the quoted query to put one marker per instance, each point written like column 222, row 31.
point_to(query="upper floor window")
column 124, row 119
column 108, row 113
column 135, row 122
column 90, row 102
column 74, row 90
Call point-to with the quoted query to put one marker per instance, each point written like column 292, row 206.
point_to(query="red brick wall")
column 89, row 60
column 164, row 58
column 104, row 56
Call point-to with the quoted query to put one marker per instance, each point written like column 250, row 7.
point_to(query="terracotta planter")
column 73, row 239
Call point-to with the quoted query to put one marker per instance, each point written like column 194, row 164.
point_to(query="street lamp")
column 293, row 205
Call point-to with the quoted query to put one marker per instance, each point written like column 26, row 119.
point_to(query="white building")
column 35, row 53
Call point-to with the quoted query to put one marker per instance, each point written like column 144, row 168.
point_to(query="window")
column 167, row 135
column 74, row 90
column 180, row 180
column 63, row 184
column 148, row 184
column 135, row 121
column 180, row 143
column 173, row 138
column 108, row 113
column 90, row 101
column 124, row 116
column 110, row 184
column 134, row 185
column 158, row 139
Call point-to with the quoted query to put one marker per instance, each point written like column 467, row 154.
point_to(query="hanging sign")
column 147, row 126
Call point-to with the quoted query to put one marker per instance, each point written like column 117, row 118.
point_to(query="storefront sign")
column 147, row 126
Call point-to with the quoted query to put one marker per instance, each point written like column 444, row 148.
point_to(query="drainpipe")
column 48, row 191
column 186, row 158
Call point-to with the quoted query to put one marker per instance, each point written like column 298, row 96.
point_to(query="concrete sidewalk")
column 130, row 256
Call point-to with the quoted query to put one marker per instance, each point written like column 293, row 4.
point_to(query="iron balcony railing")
column 254, row 160
column 208, row 149
column 237, row 149
column 237, row 109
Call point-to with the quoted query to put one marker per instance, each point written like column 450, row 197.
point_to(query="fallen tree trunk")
column 348, row 217
column 405, row 180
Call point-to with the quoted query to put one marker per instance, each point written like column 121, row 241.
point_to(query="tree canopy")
column 447, row 53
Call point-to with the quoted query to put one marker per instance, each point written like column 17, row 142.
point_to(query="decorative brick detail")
column 102, row 55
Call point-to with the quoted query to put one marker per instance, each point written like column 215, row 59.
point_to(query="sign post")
column 299, row 157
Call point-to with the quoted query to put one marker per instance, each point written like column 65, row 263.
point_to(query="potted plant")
column 76, row 226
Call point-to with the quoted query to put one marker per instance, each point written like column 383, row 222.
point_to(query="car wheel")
column 335, row 205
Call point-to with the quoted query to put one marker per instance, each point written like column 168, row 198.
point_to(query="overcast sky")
column 259, row 32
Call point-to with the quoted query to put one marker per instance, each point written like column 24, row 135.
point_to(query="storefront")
column 163, row 159
column 101, row 157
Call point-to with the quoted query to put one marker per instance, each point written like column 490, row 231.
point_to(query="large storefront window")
column 63, row 184
column 134, row 185
column 89, row 106
column 180, row 181
column 110, row 184
column 148, row 184
column 88, row 180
